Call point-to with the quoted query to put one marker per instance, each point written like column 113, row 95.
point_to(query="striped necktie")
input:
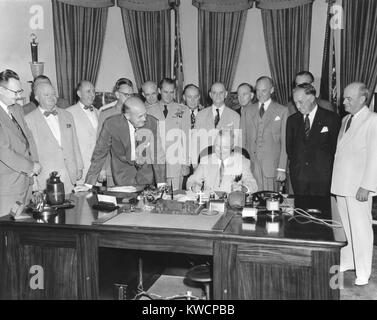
column 192, row 119
column 307, row 126
column 217, row 117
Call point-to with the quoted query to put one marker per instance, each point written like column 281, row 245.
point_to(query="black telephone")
column 259, row 198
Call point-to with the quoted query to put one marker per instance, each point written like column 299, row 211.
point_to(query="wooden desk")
column 248, row 262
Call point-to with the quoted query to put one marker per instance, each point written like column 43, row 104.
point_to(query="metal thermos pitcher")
column 55, row 190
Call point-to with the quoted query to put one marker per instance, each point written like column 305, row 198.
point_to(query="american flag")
column 178, row 63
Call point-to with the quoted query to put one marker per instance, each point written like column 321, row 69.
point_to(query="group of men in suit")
column 159, row 141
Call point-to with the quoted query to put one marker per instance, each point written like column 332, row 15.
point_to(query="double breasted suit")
column 65, row 158
column 17, row 157
column 311, row 159
column 355, row 167
column 86, row 134
column 264, row 139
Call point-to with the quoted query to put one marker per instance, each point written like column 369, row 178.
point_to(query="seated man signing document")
column 224, row 170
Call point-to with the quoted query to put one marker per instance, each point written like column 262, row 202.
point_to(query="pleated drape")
column 79, row 34
column 149, row 44
column 359, row 44
column 287, row 39
column 220, row 36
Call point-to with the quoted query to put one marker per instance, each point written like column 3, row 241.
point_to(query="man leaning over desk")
column 132, row 140
column 224, row 170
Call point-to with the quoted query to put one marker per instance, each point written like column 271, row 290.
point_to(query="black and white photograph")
column 201, row 151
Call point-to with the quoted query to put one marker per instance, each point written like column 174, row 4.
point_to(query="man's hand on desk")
column 362, row 194
column 281, row 176
column 162, row 185
column 196, row 187
column 102, row 176
column 37, row 168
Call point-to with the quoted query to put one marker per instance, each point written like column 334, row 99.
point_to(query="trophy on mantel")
column 35, row 66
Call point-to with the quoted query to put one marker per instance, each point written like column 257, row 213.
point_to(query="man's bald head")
column 134, row 110
column 218, row 94
column 45, row 95
column 150, row 92
column 355, row 97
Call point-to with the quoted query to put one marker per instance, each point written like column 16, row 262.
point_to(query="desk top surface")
column 280, row 228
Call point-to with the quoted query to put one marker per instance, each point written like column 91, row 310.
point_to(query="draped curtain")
column 287, row 30
column 221, row 26
column 148, row 36
column 326, row 75
column 358, row 61
column 79, row 31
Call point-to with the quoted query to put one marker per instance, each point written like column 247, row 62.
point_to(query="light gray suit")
column 86, row 134
column 264, row 139
column 66, row 159
column 16, row 160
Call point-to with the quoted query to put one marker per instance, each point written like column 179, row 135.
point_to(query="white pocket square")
column 324, row 129
column 277, row 118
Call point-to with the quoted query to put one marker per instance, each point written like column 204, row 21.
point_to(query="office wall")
column 15, row 49
column 15, row 33
column 253, row 58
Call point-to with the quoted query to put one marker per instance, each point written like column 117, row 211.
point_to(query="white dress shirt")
column 53, row 123
column 91, row 116
column 132, row 139
column 265, row 105
column 311, row 115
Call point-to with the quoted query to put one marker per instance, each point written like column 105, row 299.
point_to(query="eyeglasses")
column 18, row 92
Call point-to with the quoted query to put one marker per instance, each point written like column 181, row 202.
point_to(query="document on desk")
column 174, row 221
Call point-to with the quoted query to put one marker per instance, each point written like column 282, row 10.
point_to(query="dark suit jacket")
column 115, row 139
column 311, row 160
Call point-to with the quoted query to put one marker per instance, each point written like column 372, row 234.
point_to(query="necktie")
column 165, row 111
column 192, row 119
column 217, row 118
column 19, row 128
column 349, row 123
column 261, row 110
column 48, row 113
column 307, row 126
column 88, row 107
column 221, row 173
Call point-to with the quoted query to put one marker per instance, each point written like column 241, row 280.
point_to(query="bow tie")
column 88, row 107
column 47, row 113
